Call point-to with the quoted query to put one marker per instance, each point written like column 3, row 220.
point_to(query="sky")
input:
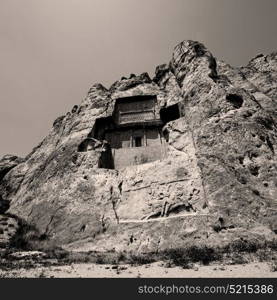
column 52, row 51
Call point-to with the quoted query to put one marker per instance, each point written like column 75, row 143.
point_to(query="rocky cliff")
column 218, row 182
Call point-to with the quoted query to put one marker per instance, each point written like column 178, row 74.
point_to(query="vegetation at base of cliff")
column 26, row 236
column 29, row 239
column 185, row 256
column 237, row 252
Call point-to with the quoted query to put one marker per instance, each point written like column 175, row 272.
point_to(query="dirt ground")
column 158, row 269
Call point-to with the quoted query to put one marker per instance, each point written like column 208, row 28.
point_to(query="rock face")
column 4, row 205
column 216, row 184
column 7, row 163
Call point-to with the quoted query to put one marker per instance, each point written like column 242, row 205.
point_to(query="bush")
column 273, row 266
column 272, row 244
column 100, row 260
column 238, row 259
column 244, row 246
column 184, row 256
column 56, row 253
column 177, row 256
column 141, row 259
column 25, row 236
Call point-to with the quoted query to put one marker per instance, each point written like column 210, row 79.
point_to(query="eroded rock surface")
column 216, row 184
column 7, row 163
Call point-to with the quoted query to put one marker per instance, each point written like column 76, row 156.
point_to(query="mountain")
column 216, row 181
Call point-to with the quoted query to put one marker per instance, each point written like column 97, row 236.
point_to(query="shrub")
column 272, row 244
column 273, row 266
column 184, row 256
column 177, row 256
column 244, row 246
column 140, row 259
column 25, row 236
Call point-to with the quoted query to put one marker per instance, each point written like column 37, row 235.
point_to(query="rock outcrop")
column 217, row 183
column 7, row 163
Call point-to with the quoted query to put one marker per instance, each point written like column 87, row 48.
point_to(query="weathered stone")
column 7, row 163
column 216, row 183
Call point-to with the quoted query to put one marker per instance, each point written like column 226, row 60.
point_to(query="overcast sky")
column 52, row 51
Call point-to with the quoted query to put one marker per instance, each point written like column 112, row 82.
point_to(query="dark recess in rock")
column 106, row 160
column 254, row 170
column 235, row 100
column 170, row 113
column 74, row 109
column 4, row 205
column 270, row 145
